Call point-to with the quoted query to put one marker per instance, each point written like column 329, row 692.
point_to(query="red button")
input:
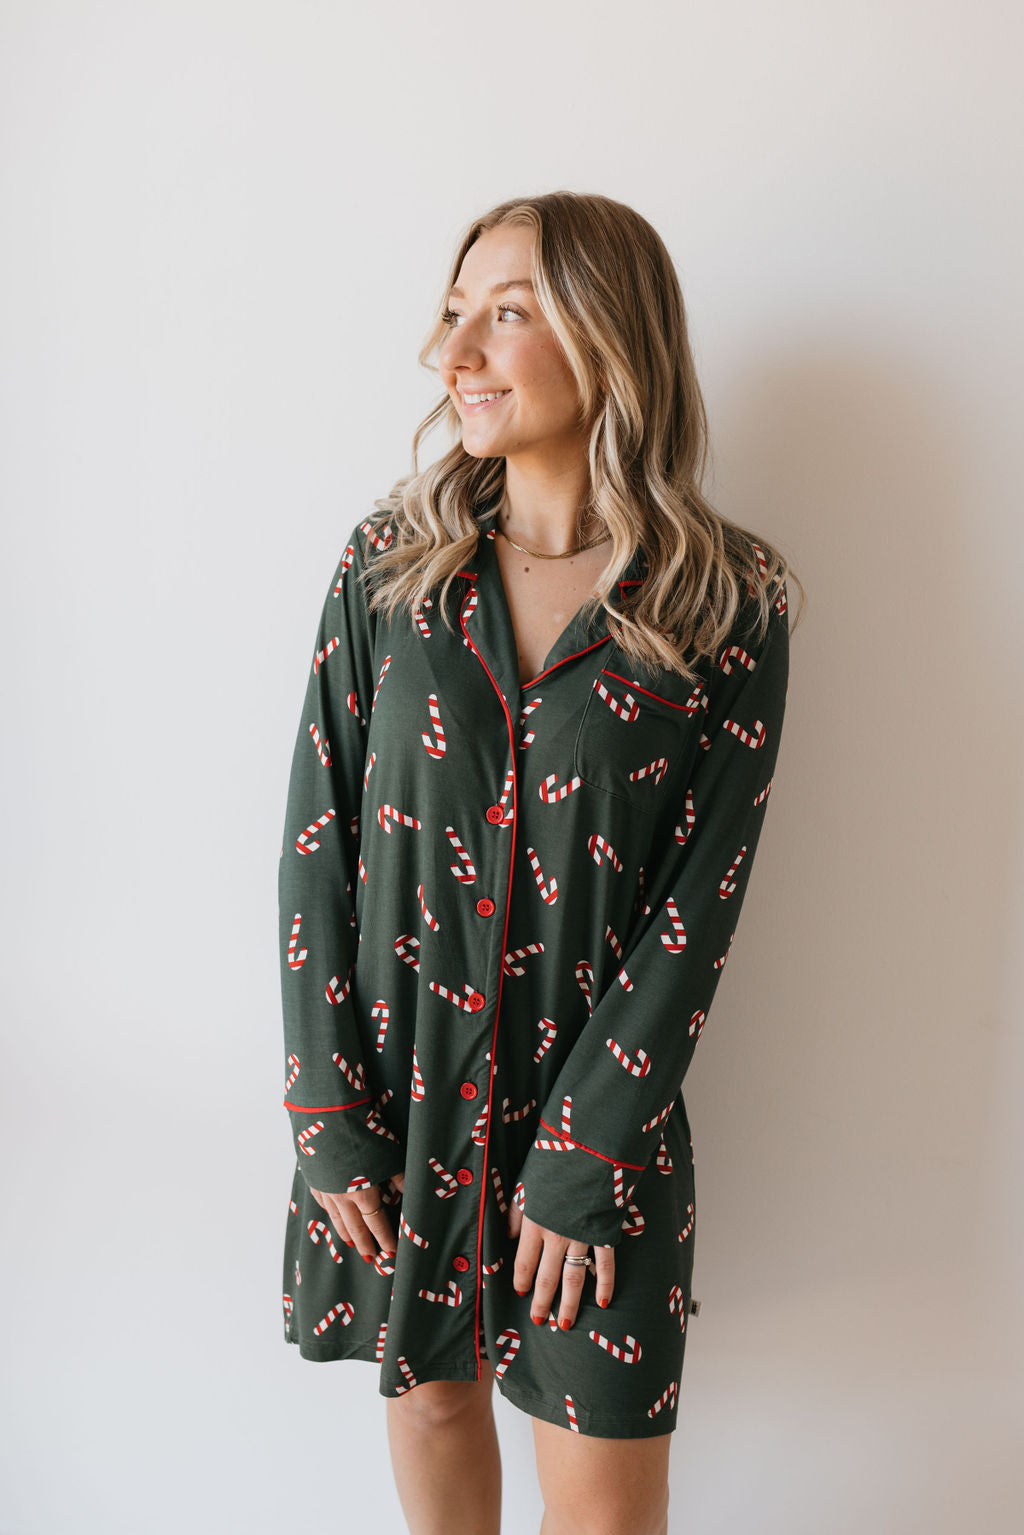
column 460, row 1263
column 468, row 1090
column 495, row 814
column 485, row 906
column 476, row 1000
column 465, row 1175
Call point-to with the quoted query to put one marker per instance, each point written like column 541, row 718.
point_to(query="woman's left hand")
column 538, row 1243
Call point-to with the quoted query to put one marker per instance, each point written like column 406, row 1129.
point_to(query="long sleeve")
column 339, row 1134
column 603, row 1119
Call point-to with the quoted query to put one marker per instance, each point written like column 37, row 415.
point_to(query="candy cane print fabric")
column 495, row 965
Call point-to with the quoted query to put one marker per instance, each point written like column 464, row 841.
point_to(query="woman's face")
column 500, row 341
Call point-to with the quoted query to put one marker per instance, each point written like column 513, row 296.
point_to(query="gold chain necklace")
column 537, row 555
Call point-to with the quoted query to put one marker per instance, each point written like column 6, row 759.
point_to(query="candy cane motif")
column 453, row 996
column 382, row 1333
column 667, row 1399
column 629, row 1355
column 404, row 947
column 387, row 813
column 298, row 1272
column 441, row 746
column 585, row 980
column 487, row 1269
column 738, row 654
column 361, row 869
column 755, row 738
column 689, row 1225
column 381, row 1010
column 293, row 1062
column 307, row 1135
column 550, row 795
column 466, row 874
column 499, row 1191
column 383, row 673
column 383, row 1265
column 509, row 1341
column 373, row 1120
column 543, row 1144
column 663, row 1160
column 622, row 978
column 760, row 798
column 677, row 1303
column 634, row 1223
column 469, row 607
column 403, row 1365
column 346, row 562
column 513, row 1116
column 335, row 991
column 302, row 842
column 293, row 1207
column 448, row 1183
column 344, row 1309
column 657, row 767
column 675, row 942
column 478, row 1134
column 697, row 1023
column 571, row 1414
column 780, row 601
column 288, row 1304
column 315, row 1229
column 722, row 959
column 358, row 1183
column 510, row 779
column 431, row 921
column 659, row 1119
column 453, row 1297
column 638, row 1068
column 419, row 620
column 380, row 540
column 417, row 1091
column 619, row 1191
column 549, row 892
column 354, row 1075
column 369, row 769
column 323, row 748
column 727, row 885
column 407, row 1231
column 599, row 848
column 510, row 966
column 549, row 1030
column 627, row 710
column 519, row 1196
column 524, row 740
column 321, row 655
column 296, row 960
column 352, row 703
column 682, row 836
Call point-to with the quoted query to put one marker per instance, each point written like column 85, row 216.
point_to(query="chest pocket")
column 640, row 734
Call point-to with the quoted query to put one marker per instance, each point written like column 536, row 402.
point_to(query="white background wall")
column 225, row 229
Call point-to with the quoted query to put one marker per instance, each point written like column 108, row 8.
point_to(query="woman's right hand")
column 357, row 1229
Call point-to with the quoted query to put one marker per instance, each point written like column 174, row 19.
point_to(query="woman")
column 531, row 770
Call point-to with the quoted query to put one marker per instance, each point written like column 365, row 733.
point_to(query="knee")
column 436, row 1403
column 629, row 1513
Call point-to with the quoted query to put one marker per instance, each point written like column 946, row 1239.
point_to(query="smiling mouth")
column 472, row 406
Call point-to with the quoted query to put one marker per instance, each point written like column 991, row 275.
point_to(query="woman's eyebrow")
column 499, row 287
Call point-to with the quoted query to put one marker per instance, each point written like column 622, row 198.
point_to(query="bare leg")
column 444, row 1454
column 601, row 1486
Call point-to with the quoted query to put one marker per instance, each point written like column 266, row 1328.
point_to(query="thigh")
column 434, row 1402
column 607, row 1483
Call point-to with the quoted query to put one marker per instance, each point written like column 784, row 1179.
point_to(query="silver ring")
column 587, row 1261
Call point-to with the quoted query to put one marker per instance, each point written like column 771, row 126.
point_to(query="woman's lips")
column 471, row 410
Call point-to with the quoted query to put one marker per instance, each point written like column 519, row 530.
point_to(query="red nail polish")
column 565, row 1323
column 366, row 1257
column 536, row 1319
column 603, row 1301
column 520, row 1292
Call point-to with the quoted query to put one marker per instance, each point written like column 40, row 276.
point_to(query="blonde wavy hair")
column 607, row 286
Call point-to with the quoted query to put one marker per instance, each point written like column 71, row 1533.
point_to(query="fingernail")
column 520, row 1292
column 350, row 1244
column 603, row 1301
column 536, row 1319
column 565, row 1323
column 366, row 1257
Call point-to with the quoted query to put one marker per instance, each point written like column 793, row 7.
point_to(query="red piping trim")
column 565, row 660
column 501, row 976
column 470, row 573
column 659, row 696
column 327, row 1108
column 636, row 1166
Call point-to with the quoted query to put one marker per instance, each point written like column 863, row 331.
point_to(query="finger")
column 515, row 1220
column 531, row 1243
column 605, row 1260
column 549, row 1276
column 398, row 1182
column 336, row 1210
column 319, row 1198
column 373, row 1226
column 574, row 1277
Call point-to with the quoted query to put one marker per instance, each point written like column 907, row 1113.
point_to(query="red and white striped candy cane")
column 448, row 1183
column 302, row 842
column 508, row 1341
column 550, row 795
column 549, row 1030
column 759, row 799
column 358, row 1182
column 346, row 564
column 293, row 1207
column 431, row 921
column 616, row 945
column 410, row 1379
column 585, row 980
column 638, row 1068
column 499, row 1191
column 488, row 1269
column 417, row 1091
column 519, row 1196
column 321, row 655
column 549, row 891
column 510, row 779
column 618, row 1185
column 754, row 738
column 478, row 1134
column 289, row 1306
column 659, row 1119
column 598, row 848
column 407, row 1231
column 542, row 1144
column 336, row 992
column 352, row 701
column 689, row 1225
column 629, row 1355
column 293, row 1062
column 722, row 958
column 571, row 1414
column 657, row 767
column 697, row 699
column 512, row 1116
column 666, row 1399
column 307, row 1135
column 727, row 885
column 383, row 673
column 697, row 1021
column 388, row 813
column 296, row 961
column 453, row 996
column 677, row 1303
column 675, row 942
column 361, row 868
column 438, row 746
column 762, row 562
column 467, row 874
column 780, row 601
column 567, row 1114
column 663, row 1161
column 511, row 968
column 524, row 740
column 419, row 620
column 451, row 1297
column 633, row 1224
column 736, row 653
column 298, row 1272
column 381, row 1010
column 382, row 1333
column 373, row 1120
column 404, row 947
column 469, row 606
column 380, row 539
column 627, row 710
column 354, row 1075
column 383, row 1265
column 323, row 748
column 318, row 1228
column 369, row 768
column 681, row 836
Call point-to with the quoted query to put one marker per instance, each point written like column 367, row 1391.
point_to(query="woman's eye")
column 449, row 317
